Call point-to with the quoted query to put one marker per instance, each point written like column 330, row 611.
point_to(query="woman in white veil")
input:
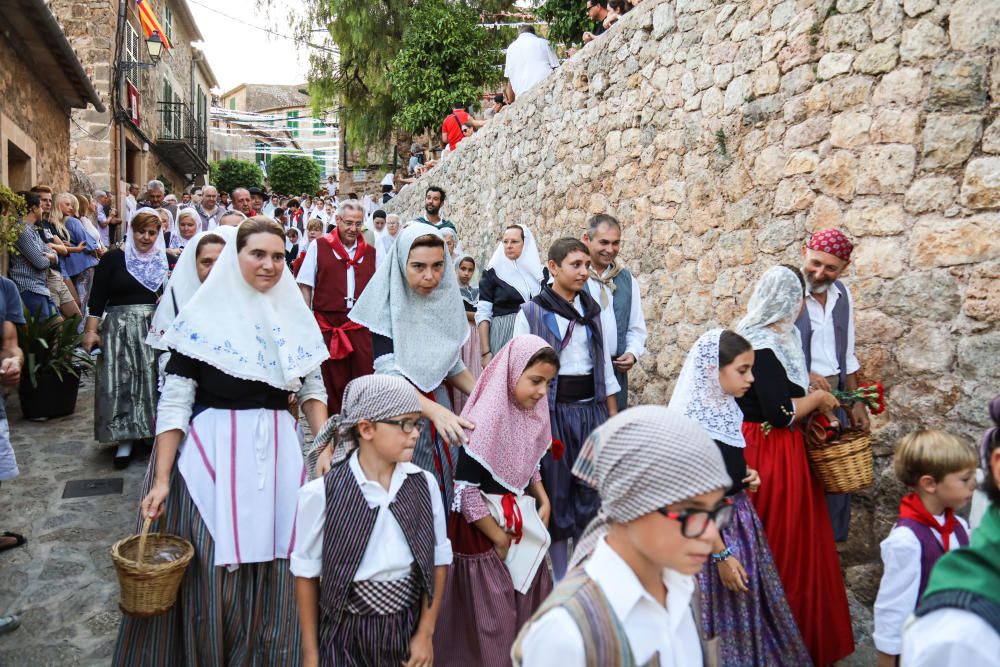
column 512, row 277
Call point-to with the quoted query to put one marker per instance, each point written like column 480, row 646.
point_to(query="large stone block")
column 875, row 219
column 807, row 133
column 928, row 348
column 894, row 126
column 981, row 187
column 948, row 139
column 938, row 241
column 801, row 162
column 834, row 64
column 933, row 193
column 769, row 166
column 882, row 257
column 974, row 25
column 977, row 356
column 924, row 39
column 991, row 138
column 846, row 31
column 982, row 299
column 886, row 168
column 793, row 194
column 923, row 295
column 877, row 59
column 885, row 19
column 837, row 174
column 849, row 129
column 958, row 83
column 901, row 87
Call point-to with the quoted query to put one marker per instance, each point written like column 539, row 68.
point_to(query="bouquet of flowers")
column 871, row 395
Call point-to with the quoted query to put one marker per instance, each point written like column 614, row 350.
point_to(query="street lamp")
column 155, row 47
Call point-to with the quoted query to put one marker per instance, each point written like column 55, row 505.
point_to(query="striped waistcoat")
column 349, row 523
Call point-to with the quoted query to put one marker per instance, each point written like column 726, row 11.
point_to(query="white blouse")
column 575, row 358
column 898, row 590
column 387, row 556
column 555, row 639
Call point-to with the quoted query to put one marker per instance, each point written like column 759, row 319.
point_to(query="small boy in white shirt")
column 940, row 469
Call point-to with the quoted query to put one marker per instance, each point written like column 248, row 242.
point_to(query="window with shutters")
column 232, row 104
column 132, row 54
column 178, row 116
column 261, row 153
column 292, row 118
column 319, row 127
column 168, row 23
column 168, row 115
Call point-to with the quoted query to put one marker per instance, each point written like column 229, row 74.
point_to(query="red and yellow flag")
column 150, row 24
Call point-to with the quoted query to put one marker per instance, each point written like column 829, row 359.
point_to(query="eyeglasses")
column 694, row 523
column 405, row 425
column 356, row 225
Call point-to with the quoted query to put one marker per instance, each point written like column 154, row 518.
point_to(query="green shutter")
column 319, row 127
column 291, row 118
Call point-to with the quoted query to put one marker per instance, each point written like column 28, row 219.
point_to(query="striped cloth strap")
column 604, row 641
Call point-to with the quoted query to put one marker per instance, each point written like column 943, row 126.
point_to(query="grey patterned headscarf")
column 642, row 460
column 770, row 321
column 370, row 397
column 427, row 332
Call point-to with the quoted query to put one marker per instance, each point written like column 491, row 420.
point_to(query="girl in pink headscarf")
column 498, row 526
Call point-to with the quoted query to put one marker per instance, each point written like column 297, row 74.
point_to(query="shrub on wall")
column 293, row 174
column 227, row 175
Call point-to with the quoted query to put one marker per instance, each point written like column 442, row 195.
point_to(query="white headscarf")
column 149, row 267
column 176, row 240
column 770, row 321
column 181, row 287
column 270, row 337
column 699, row 395
column 523, row 274
column 427, row 332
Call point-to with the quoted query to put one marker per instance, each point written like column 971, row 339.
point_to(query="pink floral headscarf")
column 508, row 440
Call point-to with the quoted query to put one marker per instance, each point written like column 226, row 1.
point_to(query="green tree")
column 290, row 174
column 227, row 175
column 444, row 58
column 567, row 19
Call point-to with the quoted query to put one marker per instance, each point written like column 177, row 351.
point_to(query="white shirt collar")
column 624, row 591
column 374, row 492
column 832, row 295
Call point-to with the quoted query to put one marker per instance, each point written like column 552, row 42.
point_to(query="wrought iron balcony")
column 182, row 140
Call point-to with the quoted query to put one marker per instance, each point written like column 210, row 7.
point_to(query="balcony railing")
column 179, row 124
column 182, row 138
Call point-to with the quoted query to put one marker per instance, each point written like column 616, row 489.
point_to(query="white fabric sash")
column 525, row 556
column 243, row 470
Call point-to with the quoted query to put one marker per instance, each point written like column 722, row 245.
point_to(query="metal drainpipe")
column 120, row 111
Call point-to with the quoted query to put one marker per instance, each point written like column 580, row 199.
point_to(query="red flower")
column 557, row 449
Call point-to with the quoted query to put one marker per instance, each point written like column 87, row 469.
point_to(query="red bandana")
column 341, row 252
column 913, row 508
column 831, row 241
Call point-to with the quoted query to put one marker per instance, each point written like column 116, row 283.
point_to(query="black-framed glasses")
column 694, row 522
column 405, row 425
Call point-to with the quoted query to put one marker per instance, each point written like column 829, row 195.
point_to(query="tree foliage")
column 567, row 19
column 292, row 174
column 444, row 58
column 227, row 175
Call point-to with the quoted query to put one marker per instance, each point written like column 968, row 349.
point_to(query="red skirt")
column 792, row 507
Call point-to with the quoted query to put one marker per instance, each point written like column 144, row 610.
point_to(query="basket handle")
column 147, row 522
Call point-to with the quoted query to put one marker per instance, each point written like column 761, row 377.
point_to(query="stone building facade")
column 258, row 121
column 166, row 106
column 41, row 82
column 723, row 133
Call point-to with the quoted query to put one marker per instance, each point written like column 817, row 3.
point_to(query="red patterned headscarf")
column 832, row 241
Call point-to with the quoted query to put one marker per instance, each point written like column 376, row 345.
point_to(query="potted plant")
column 53, row 362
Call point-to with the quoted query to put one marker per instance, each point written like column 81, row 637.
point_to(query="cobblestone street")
column 62, row 582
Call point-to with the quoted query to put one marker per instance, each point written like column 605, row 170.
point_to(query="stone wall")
column 722, row 133
column 34, row 121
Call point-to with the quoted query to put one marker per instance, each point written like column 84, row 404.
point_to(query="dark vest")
column 841, row 321
column 543, row 324
column 330, row 292
column 349, row 523
column 621, row 303
column 930, row 549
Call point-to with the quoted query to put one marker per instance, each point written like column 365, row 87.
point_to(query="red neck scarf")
column 913, row 508
column 341, row 252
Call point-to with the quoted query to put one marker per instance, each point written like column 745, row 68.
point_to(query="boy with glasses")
column 661, row 480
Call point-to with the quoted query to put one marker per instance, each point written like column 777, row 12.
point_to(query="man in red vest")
column 336, row 269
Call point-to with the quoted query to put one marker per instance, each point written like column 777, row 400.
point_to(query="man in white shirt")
column 827, row 328
column 661, row 481
column 209, row 210
column 334, row 272
column 615, row 288
column 529, row 60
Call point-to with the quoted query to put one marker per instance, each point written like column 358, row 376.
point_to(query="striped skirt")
column 433, row 455
column 481, row 610
column 472, row 357
column 126, row 393
column 375, row 640
column 501, row 331
column 221, row 619
column 574, row 503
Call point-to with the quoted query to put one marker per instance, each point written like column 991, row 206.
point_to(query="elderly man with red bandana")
column 827, row 326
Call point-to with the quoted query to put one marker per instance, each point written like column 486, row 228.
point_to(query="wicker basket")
column 148, row 589
column 844, row 464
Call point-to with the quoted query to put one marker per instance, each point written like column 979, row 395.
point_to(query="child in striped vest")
column 661, row 480
column 941, row 470
column 373, row 553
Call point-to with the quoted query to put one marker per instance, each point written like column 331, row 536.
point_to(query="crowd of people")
column 481, row 492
